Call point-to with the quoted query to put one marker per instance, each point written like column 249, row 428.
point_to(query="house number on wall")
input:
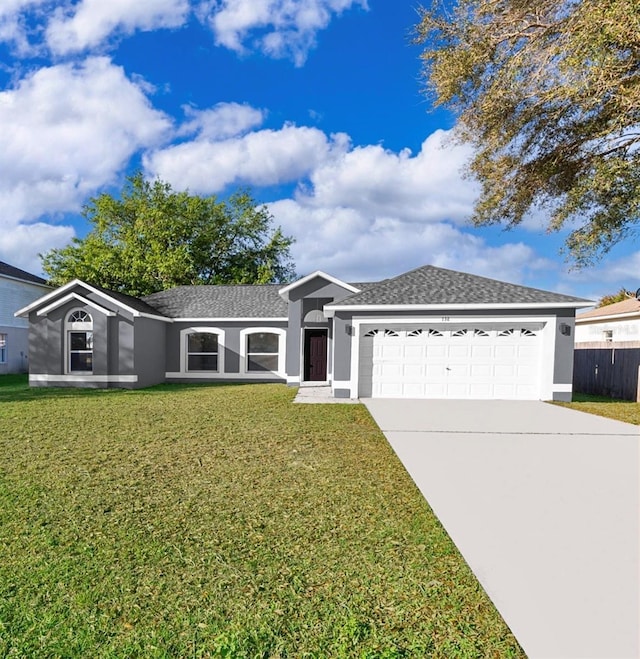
column 445, row 319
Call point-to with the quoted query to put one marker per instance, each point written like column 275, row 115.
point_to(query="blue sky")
column 315, row 105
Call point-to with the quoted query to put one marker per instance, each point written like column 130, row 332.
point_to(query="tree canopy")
column 152, row 238
column 548, row 94
column 620, row 296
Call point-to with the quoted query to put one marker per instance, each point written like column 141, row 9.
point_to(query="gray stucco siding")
column 321, row 288
column 293, row 339
column 232, row 332
column 148, row 361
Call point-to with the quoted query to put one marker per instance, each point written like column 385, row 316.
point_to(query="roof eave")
column 330, row 309
column 615, row 316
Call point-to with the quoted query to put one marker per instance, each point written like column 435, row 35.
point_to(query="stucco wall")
column 113, row 348
column 149, row 361
column 231, row 339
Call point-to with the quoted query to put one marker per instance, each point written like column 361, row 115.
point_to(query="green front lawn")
column 221, row 521
column 621, row 410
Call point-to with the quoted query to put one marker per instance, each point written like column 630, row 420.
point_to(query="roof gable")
column 432, row 286
column 132, row 304
column 349, row 288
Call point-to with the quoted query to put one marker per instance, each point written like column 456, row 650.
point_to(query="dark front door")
column 315, row 355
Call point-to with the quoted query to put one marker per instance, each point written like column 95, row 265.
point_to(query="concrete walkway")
column 319, row 394
column 543, row 503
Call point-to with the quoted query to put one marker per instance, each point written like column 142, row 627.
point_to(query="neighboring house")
column 614, row 323
column 428, row 333
column 17, row 288
column 607, row 356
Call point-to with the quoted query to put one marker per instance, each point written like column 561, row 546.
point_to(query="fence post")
column 638, row 387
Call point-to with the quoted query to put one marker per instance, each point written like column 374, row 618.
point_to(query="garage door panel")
column 482, row 371
column 459, row 352
column 414, row 371
column 414, row 353
column 480, row 390
column 436, row 351
column 505, row 352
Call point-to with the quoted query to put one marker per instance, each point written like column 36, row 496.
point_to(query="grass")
column 621, row 410
column 221, row 521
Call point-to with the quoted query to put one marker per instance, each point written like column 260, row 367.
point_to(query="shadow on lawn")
column 14, row 388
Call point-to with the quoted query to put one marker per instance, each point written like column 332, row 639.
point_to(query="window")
column 479, row 332
column 381, row 332
column 202, row 351
column 460, row 332
column 3, row 348
column 262, row 351
column 79, row 342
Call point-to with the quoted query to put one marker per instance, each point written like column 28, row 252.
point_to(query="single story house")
column 614, row 323
column 17, row 288
column 427, row 333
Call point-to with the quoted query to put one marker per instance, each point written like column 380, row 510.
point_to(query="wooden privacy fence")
column 607, row 371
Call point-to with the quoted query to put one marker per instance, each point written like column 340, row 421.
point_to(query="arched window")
column 79, row 337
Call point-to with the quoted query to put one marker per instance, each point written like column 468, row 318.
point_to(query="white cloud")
column 66, row 131
column 21, row 244
column 422, row 188
column 12, row 26
column 362, row 213
column 358, row 247
column 260, row 158
column 222, row 121
column 277, row 28
column 90, row 22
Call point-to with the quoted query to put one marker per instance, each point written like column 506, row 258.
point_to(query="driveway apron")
column 543, row 503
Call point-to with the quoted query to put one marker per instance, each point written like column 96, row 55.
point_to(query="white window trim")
column 77, row 327
column 184, row 333
column 282, row 336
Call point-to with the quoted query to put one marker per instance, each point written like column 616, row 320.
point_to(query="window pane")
column 263, row 363
column 263, row 342
column 81, row 340
column 202, row 342
column 202, row 363
column 81, row 361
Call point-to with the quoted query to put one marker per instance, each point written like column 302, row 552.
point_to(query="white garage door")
column 463, row 362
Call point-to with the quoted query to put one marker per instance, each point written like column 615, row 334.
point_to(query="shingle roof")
column 630, row 306
column 133, row 302
column 225, row 301
column 17, row 273
column 429, row 285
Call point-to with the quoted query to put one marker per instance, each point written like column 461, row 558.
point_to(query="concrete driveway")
column 543, row 503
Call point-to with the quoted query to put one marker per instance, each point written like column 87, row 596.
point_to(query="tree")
column 153, row 238
column 620, row 296
column 548, row 94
